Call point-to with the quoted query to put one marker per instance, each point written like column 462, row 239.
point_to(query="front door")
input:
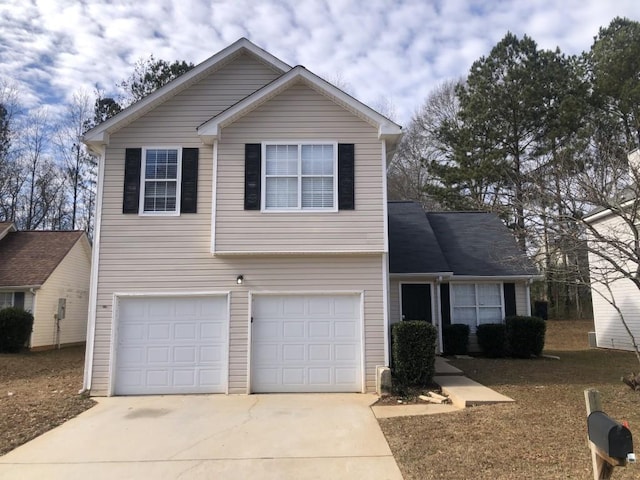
column 416, row 301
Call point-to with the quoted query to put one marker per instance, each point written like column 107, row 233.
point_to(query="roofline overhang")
column 20, row 287
column 444, row 275
column 453, row 276
column 99, row 135
column 210, row 130
column 592, row 217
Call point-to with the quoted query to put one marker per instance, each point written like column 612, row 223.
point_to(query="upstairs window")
column 160, row 180
column 300, row 176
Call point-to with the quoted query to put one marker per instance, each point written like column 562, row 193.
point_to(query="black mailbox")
column 609, row 436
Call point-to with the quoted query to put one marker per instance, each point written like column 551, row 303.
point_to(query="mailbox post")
column 611, row 443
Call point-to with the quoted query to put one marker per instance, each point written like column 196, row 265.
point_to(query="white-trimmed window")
column 476, row 303
column 160, row 183
column 299, row 176
column 6, row 300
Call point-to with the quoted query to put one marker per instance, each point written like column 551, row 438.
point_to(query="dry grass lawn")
column 542, row 435
column 39, row 391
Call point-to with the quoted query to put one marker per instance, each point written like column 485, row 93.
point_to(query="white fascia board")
column 431, row 275
column 96, row 136
column 504, row 278
column 605, row 213
column 387, row 130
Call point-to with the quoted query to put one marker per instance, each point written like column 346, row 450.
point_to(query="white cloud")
column 396, row 50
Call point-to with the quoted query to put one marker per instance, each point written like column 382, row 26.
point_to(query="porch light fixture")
column 239, row 279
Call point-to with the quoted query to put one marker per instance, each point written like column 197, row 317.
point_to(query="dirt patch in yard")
column 39, row 391
column 542, row 435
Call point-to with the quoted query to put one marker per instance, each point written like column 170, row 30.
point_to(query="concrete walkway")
column 462, row 391
column 307, row 436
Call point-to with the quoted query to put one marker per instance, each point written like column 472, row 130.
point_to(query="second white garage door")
column 306, row 343
column 171, row 345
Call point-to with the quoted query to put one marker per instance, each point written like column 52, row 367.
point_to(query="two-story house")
column 241, row 235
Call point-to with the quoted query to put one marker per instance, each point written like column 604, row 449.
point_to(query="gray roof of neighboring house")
column 465, row 243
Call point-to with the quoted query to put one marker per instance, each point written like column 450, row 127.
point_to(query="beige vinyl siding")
column 610, row 332
column 200, row 272
column 70, row 280
column 176, row 120
column 300, row 114
column 157, row 254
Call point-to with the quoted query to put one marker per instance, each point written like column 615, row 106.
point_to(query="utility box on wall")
column 62, row 308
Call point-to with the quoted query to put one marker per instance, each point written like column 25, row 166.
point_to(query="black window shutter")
column 18, row 300
column 131, row 195
column 189, row 189
column 346, row 174
column 445, row 304
column 509, row 299
column 252, row 175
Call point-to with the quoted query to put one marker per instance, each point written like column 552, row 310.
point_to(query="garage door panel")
column 303, row 352
column 158, row 331
column 293, row 330
column 186, row 331
column 171, row 345
column 158, row 355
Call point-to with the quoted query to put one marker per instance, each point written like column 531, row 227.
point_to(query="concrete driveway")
column 307, row 436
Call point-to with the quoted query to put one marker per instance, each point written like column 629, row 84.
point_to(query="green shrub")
column 15, row 328
column 525, row 336
column 413, row 350
column 456, row 339
column 492, row 338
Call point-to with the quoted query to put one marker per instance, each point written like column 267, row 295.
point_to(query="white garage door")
column 171, row 345
column 308, row 343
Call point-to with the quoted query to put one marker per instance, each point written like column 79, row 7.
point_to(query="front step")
column 465, row 392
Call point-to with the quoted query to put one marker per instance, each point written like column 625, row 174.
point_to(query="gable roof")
column 99, row 135
column 413, row 246
column 473, row 244
column 6, row 227
column 387, row 130
column 29, row 258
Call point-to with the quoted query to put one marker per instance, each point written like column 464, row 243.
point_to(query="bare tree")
column 601, row 204
column 409, row 173
column 77, row 163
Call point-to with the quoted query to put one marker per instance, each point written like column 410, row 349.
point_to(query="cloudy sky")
column 397, row 50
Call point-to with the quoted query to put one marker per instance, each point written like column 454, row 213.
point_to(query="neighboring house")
column 47, row 273
column 608, row 288
column 455, row 267
column 241, row 235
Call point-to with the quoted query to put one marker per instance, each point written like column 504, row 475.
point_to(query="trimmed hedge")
column 15, row 328
column 456, row 339
column 413, row 350
column 525, row 335
column 492, row 338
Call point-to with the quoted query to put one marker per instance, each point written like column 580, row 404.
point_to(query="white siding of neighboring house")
column 173, row 254
column 70, row 280
column 610, row 332
column 299, row 114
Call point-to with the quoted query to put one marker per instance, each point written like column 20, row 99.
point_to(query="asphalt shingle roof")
column 465, row 243
column 413, row 246
column 28, row 258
